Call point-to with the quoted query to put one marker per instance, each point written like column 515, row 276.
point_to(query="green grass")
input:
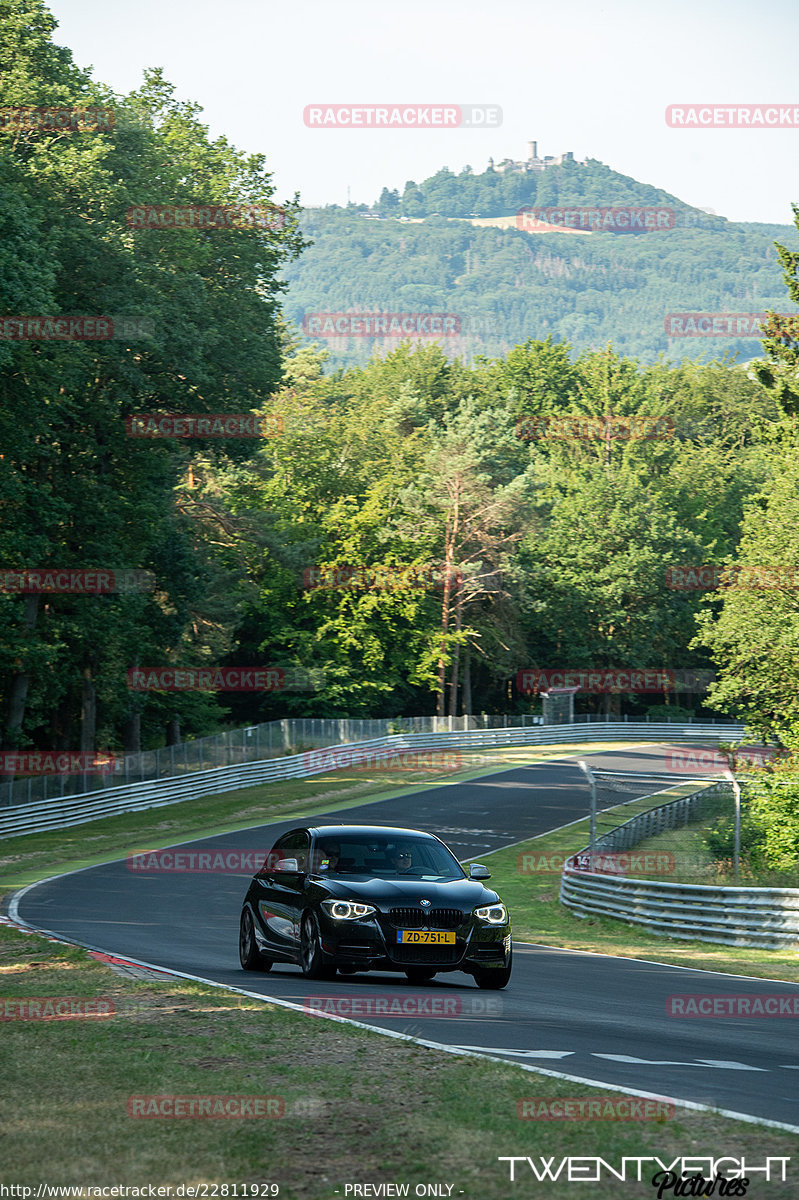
column 694, row 862
column 358, row 1107
column 538, row 916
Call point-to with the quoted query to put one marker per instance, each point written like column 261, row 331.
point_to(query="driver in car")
column 402, row 860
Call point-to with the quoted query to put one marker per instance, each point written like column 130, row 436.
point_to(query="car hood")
column 455, row 893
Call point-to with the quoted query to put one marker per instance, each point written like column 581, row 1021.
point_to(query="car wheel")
column 494, row 980
column 419, row 974
column 315, row 963
column 249, row 955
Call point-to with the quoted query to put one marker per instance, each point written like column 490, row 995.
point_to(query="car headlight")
column 494, row 914
column 346, row 910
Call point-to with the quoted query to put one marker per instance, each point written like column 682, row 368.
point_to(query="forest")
column 383, row 538
column 418, row 251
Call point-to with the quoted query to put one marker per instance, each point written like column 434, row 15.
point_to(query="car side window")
column 291, row 846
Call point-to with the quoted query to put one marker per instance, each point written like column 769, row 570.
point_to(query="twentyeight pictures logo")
column 402, row 116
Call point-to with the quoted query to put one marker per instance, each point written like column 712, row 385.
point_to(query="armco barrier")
column 745, row 916
column 64, row 812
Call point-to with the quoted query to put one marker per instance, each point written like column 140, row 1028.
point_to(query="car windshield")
column 386, row 858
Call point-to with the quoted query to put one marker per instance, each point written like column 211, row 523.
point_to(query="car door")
column 281, row 888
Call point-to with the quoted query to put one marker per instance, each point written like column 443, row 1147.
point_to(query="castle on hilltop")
column 533, row 162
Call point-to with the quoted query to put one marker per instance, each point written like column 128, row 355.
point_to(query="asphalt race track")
column 588, row 1017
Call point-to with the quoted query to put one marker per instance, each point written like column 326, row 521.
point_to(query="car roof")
column 366, row 830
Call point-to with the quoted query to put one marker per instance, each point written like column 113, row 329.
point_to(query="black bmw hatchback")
column 353, row 898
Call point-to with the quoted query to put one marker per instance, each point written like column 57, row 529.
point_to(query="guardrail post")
column 592, row 783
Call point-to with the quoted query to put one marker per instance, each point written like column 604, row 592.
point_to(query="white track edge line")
column 691, row 1105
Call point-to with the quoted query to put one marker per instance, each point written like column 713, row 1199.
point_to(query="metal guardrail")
column 64, row 812
column 733, row 916
column 252, row 743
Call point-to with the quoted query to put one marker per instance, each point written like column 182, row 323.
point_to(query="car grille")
column 432, row 955
column 421, row 918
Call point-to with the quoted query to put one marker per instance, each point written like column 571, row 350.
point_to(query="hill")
column 455, row 244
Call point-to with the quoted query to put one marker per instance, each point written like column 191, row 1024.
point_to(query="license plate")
column 419, row 937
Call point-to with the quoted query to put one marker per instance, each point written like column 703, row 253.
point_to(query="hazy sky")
column 580, row 76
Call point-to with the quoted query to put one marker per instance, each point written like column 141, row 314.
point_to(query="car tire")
column 313, row 960
column 420, row 974
column 494, row 980
column 250, row 956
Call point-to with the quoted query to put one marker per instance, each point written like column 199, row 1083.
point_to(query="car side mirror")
column 288, row 864
column 478, row 871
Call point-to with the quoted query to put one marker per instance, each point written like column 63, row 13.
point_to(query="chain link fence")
column 271, row 739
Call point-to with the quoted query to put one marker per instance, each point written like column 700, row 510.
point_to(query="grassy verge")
column 695, row 863
column 538, row 916
column 358, row 1107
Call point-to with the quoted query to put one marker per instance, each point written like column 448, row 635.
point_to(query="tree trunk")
column 450, row 541
column 18, row 692
column 173, row 731
column 88, row 711
column 456, row 655
column 467, row 682
column 131, row 733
